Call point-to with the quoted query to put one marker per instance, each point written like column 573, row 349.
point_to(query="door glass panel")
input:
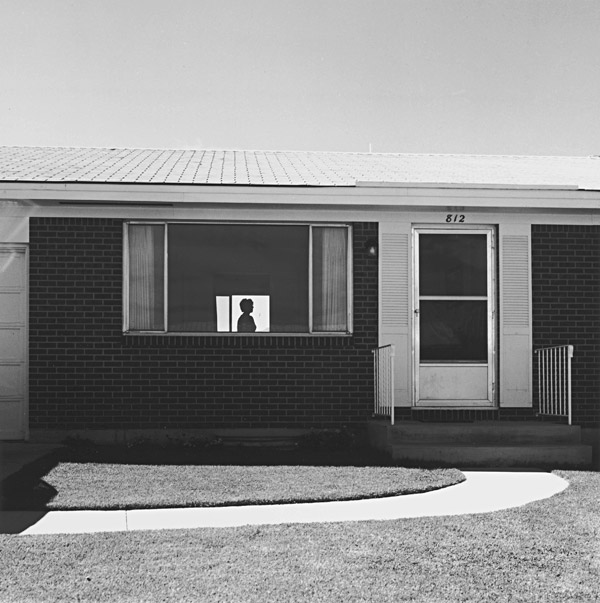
column 453, row 331
column 453, row 264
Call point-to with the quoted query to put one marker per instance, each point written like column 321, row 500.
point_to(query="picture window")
column 237, row 278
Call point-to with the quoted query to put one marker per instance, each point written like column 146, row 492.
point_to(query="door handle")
column 416, row 310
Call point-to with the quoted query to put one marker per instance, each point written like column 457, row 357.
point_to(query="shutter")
column 394, row 309
column 515, row 317
column 394, row 282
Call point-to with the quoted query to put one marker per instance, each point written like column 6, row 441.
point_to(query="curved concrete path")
column 482, row 492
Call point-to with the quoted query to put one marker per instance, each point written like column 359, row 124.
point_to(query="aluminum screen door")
column 454, row 317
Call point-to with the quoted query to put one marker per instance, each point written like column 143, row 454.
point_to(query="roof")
column 292, row 168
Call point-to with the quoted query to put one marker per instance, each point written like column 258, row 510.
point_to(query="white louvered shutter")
column 515, row 317
column 395, row 303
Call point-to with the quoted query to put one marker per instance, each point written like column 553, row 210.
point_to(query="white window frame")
column 310, row 333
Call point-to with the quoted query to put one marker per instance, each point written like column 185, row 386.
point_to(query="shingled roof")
column 292, row 168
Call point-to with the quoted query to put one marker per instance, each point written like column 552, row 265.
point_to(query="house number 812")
column 455, row 218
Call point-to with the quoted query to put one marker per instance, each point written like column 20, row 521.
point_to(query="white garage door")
column 13, row 342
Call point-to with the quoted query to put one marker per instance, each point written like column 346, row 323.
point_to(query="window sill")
column 268, row 335
column 238, row 340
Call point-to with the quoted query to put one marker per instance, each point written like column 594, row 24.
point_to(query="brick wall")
column 84, row 373
column 566, row 306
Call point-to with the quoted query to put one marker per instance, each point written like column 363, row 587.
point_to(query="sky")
column 403, row 76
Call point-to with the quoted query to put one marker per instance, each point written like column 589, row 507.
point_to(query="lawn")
column 145, row 475
column 545, row 551
column 122, row 486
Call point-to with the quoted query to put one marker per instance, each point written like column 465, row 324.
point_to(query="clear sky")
column 406, row 76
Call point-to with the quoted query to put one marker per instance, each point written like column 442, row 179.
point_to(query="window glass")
column 214, row 268
column 452, row 264
column 453, row 331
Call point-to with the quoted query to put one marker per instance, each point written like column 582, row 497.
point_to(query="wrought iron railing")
column 554, row 380
column 383, row 358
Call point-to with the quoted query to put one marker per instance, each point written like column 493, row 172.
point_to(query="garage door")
column 13, row 342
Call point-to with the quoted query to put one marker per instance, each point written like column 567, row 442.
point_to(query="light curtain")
column 330, row 274
column 146, row 277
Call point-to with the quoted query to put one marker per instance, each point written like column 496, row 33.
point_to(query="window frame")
column 310, row 333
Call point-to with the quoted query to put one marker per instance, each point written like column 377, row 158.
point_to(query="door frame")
column 492, row 289
column 23, row 434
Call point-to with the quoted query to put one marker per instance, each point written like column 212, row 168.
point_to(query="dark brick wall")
column 84, row 373
column 566, row 306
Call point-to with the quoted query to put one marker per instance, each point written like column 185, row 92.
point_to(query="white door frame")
column 20, row 432
column 490, row 400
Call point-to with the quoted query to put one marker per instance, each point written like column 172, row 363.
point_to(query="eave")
column 365, row 195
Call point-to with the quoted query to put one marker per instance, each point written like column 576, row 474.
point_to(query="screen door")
column 454, row 316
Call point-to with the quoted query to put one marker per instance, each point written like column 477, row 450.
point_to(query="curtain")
column 330, row 274
column 146, row 277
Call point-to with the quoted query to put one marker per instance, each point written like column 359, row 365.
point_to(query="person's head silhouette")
column 247, row 306
column 246, row 323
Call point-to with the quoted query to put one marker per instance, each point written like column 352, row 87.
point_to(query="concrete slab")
column 78, row 522
column 508, row 456
column 16, row 522
column 482, row 492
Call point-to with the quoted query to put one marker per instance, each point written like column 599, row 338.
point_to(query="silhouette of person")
column 246, row 323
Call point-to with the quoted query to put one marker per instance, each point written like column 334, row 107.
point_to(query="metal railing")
column 383, row 358
column 554, row 381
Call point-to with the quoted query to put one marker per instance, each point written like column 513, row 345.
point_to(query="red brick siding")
column 84, row 373
column 566, row 306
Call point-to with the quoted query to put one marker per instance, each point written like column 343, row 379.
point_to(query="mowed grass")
column 547, row 551
column 123, row 486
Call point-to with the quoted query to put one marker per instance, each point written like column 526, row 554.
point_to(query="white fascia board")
column 366, row 197
column 446, row 185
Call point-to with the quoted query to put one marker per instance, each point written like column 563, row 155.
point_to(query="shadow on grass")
column 16, row 522
column 229, row 455
column 335, row 448
column 24, row 495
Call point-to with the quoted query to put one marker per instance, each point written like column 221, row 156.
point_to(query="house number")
column 455, row 218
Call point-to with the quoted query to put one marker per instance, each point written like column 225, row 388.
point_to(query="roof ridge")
column 315, row 152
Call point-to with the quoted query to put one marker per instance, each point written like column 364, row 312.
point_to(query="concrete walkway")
column 482, row 492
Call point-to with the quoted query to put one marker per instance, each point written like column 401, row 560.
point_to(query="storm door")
column 454, row 317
